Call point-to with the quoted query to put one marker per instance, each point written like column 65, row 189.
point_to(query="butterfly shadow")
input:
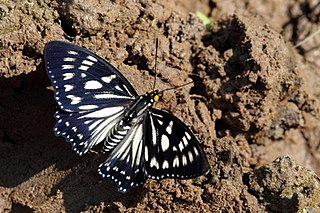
column 83, row 188
column 27, row 144
column 28, row 148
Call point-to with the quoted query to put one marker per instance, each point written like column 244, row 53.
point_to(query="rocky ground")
column 254, row 104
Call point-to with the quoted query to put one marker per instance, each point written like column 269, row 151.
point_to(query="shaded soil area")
column 254, row 103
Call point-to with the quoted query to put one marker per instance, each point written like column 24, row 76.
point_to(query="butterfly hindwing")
column 172, row 149
column 125, row 164
column 84, row 81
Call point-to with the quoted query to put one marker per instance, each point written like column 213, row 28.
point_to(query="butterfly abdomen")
column 116, row 135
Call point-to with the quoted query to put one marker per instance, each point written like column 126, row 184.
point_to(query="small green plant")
column 205, row 19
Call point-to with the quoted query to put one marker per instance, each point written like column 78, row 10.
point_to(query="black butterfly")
column 98, row 104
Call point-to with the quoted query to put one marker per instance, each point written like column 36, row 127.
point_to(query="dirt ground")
column 254, row 104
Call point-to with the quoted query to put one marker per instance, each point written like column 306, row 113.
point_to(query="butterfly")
column 98, row 105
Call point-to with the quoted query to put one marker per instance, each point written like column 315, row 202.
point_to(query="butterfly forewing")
column 90, row 92
column 84, row 81
column 172, row 150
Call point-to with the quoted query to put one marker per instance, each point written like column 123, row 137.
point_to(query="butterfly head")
column 153, row 95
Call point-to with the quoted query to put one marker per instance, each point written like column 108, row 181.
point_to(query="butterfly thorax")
column 137, row 110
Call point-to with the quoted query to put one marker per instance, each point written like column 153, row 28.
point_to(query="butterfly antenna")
column 155, row 71
column 176, row 87
column 155, row 64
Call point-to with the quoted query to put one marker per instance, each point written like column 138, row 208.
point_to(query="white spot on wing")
column 185, row 141
column 74, row 99
column 160, row 122
column 137, row 145
column 83, row 75
column 67, row 66
column 118, row 88
column 164, row 143
column 154, row 163
column 69, row 59
column 175, row 162
column 83, row 67
column 108, row 96
column 188, row 135
column 86, row 122
column 181, row 147
column 196, row 151
column 87, row 107
column 68, row 87
column 91, row 58
column 102, row 113
column 68, row 75
column 146, row 154
column 93, row 125
column 109, row 78
column 93, row 85
column 125, row 87
column 86, row 62
column 190, row 156
column 72, row 52
column 157, row 115
column 169, row 128
column 184, row 160
column 165, row 164
column 153, row 131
